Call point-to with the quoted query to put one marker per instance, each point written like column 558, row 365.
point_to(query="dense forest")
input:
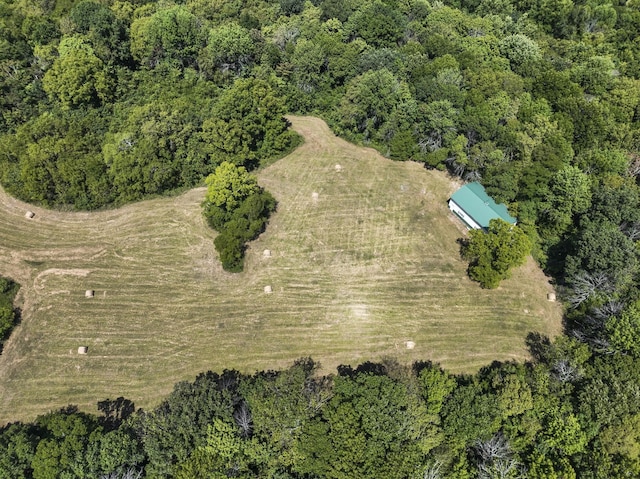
column 109, row 102
column 570, row 414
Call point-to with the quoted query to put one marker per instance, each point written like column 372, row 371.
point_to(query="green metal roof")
column 479, row 205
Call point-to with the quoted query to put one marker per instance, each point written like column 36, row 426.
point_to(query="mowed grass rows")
column 357, row 270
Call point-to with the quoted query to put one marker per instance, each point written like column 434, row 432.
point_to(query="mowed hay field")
column 357, row 270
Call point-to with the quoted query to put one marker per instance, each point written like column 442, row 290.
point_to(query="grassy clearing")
column 369, row 264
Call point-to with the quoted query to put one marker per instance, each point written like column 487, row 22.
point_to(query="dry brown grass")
column 369, row 265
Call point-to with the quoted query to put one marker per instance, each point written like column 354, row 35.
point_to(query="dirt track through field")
column 357, row 270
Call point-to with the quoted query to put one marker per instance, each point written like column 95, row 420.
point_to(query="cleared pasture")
column 356, row 270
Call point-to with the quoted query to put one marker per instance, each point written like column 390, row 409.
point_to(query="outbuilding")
column 476, row 208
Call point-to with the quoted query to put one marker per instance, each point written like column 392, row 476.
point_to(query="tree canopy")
column 237, row 208
column 568, row 414
column 493, row 254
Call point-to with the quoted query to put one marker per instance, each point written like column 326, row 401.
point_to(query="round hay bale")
column 338, row 168
column 29, row 214
column 410, row 344
column 551, row 296
column 315, row 196
column 268, row 289
column 266, row 253
column 89, row 293
column 83, row 350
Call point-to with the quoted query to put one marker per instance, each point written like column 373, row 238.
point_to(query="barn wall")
column 453, row 206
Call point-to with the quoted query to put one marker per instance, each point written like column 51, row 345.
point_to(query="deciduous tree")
column 247, row 124
column 358, row 433
column 230, row 47
column 623, row 330
column 494, row 253
column 569, row 194
column 171, row 34
column 602, row 249
column 67, row 436
column 377, row 23
column 238, row 208
column 371, row 101
column 229, row 186
column 78, row 76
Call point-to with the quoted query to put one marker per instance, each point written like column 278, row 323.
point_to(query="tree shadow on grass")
column 115, row 412
column 538, row 345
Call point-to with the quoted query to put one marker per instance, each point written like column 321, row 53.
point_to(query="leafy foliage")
column 8, row 313
column 246, row 124
column 494, row 253
column 238, row 208
column 376, row 101
column 170, row 34
column 77, row 76
column 229, row 47
column 624, row 330
column 382, row 420
column 67, row 436
column 178, row 426
column 155, row 149
column 358, row 435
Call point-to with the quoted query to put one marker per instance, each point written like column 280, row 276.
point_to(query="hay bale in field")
column 29, row 215
column 266, row 253
column 551, row 296
column 410, row 344
column 315, row 196
column 89, row 293
column 268, row 289
column 83, row 350
column 338, row 168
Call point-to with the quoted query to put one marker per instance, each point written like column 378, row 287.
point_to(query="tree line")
column 568, row 414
